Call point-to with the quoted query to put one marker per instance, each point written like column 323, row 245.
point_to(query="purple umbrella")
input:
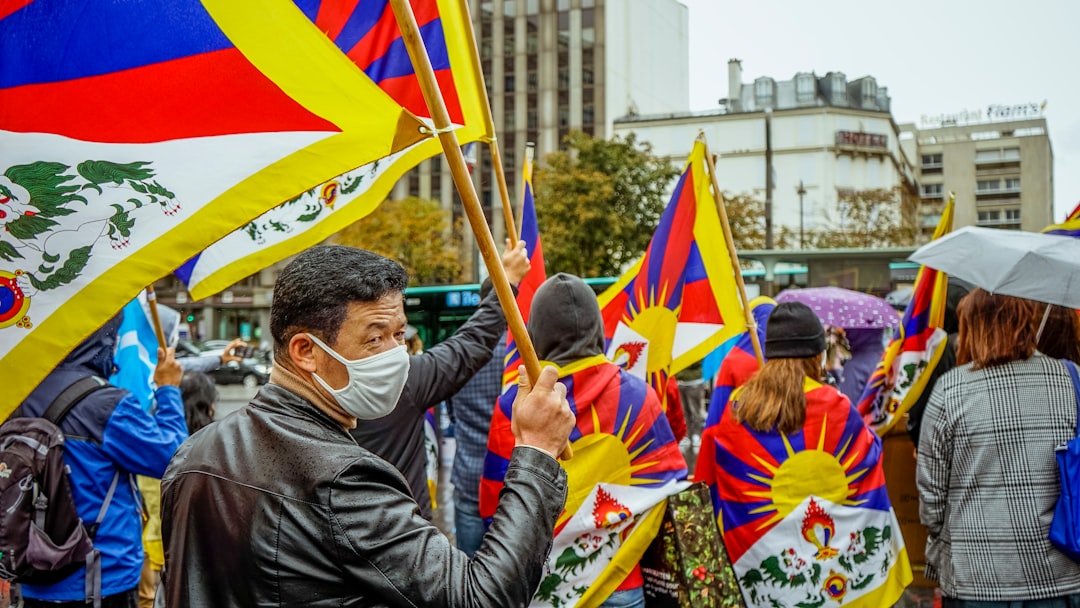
column 844, row 308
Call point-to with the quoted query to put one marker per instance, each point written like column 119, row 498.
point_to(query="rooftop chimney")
column 734, row 70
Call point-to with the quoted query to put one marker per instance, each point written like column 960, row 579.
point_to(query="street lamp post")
column 801, row 192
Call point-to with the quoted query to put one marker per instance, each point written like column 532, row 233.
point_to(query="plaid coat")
column 988, row 480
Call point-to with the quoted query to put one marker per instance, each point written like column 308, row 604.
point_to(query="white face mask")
column 375, row 382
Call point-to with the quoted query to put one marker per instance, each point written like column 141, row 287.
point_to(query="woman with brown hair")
column 986, row 473
column 797, row 482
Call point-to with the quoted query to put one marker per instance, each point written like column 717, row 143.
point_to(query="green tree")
column 746, row 216
column 870, row 218
column 414, row 231
column 598, row 203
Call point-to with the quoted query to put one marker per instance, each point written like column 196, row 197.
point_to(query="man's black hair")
column 313, row 292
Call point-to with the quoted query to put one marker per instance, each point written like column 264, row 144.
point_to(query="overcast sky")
column 935, row 56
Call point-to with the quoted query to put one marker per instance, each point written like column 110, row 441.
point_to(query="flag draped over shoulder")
column 741, row 362
column 368, row 34
column 917, row 345
column 680, row 301
column 626, row 463
column 134, row 135
column 530, row 233
column 806, row 517
column 1070, row 227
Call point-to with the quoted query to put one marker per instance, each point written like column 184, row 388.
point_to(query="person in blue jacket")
column 108, row 433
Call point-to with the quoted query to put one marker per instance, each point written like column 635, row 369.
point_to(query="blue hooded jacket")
column 107, row 432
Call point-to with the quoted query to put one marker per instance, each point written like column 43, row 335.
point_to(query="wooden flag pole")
column 718, row 196
column 410, row 33
column 493, row 145
column 151, row 301
column 504, row 192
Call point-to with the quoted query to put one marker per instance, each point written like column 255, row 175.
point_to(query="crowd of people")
column 316, row 492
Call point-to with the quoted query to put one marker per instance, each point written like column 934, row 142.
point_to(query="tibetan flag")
column 135, row 135
column 1070, row 227
column 368, row 34
column 626, row 463
column 741, row 363
column 917, row 345
column 680, row 301
column 530, row 233
column 806, row 518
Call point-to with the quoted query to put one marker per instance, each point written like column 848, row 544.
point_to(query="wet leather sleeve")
column 385, row 546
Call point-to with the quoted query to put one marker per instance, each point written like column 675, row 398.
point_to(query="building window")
column 987, row 185
column 932, row 191
column 1012, row 184
column 1012, row 215
column 564, row 116
column 508, row 120
column 532, row 7
column 587, row 114
column 987, row 156
column 763, row 92
column 509, row 84
column 532, row 80
column 586, row 74
column 1011, row 153
column 931, row 161
column 989, row 217
column 531, row 119
column 532, row 43
column 509, row 8
column 804, row 87
column 869, row 91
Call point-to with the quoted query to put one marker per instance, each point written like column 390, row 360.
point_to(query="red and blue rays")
column 365, row 30
column 530, row 233
column 169, row 73
column 1070, row 227
column 904, row 370
column 757, row 479
column 671, row 287
column 616, row 413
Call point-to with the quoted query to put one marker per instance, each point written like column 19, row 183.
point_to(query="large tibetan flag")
column 530, row 233
column 368, row 34
column 133, row 135
column 917, row 345
column 740, row 364
column 626, row 463
column 679, row 301
column 806, row 517
column 1070, row 227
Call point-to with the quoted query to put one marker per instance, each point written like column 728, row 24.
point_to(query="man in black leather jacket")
column 434, row 376
column 277, row 505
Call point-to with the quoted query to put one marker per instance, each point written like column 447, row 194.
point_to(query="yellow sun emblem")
column 812, row 472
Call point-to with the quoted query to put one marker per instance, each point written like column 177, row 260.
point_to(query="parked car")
column 251, row 372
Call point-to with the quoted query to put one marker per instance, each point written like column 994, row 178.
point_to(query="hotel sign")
column 862, row 140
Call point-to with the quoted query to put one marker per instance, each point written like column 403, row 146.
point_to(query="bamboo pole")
column 751, row 324
column 151, row 301
column 410, row 34
column 493, row 144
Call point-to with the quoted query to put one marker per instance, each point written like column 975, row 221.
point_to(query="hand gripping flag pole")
column 751, row 325
column 493, row 143
column 410, row 33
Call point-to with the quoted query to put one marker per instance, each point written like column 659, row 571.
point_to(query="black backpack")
column 42, row 538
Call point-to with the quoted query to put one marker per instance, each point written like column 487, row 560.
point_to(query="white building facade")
column 827, row 135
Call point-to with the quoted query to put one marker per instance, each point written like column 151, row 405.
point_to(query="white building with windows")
column 1000, row 168
column 827, row 135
